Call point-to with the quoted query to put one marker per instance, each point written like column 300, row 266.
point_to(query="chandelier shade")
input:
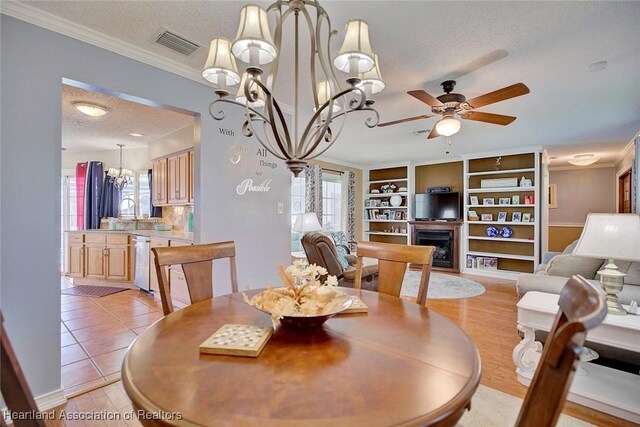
column 355, row 55
column 253, row 43
column 220, row 68
column 372, row 81
column 304, row 135
column 120, row 177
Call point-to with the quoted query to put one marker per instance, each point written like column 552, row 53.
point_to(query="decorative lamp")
column 296, row 138
column 355, row 56
column 371, row 81
column 220, row 68
column 611, row 236
column 120, row 177
column 306, row 222
column 448, row 126
column 242, row 99
column 254, row 44
column 584, row 159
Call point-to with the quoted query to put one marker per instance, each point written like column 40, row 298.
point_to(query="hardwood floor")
column 489, row 319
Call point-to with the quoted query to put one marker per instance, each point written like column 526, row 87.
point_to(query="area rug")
column 441, row 286
column 92, row 291
column 491, row 408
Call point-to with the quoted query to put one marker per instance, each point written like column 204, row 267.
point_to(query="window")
column 135, row 198
column 331, row 201
column 297, row 207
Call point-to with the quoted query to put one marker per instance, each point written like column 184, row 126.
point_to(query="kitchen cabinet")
column 107, row 256
column 159, row 181
column 75, row 255
column 178, row 178
column 177, row 280
column 153, row 276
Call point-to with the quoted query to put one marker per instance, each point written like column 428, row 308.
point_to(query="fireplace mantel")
column 453, row 226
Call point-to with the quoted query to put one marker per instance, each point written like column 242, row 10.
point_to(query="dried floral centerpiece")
column 304, row 301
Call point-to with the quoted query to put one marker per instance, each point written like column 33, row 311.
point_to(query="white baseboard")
column 51, row 400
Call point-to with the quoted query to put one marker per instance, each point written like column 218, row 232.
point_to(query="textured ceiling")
column 546, row 45
column 83, row 133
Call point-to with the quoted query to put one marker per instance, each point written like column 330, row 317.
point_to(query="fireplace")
column 443, row 242
column 443, row 236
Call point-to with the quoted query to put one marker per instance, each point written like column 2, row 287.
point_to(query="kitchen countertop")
column 172, row 235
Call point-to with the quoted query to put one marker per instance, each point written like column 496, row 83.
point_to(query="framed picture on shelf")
column 516, row 217
column 488, row 201
column 515, row 200
column 504, row 201
column 526, row 217
column 473, row 216
column 487, row 217
column 502, row 216
column 473, row 200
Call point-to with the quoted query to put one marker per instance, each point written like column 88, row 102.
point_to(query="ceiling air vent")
column 421, row 132
column 176, row 43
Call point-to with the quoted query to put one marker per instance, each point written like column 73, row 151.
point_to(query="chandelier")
column 120, row 177
column 254, row 45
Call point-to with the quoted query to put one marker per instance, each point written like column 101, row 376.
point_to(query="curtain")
column 154, row 211
column 313, row 190
column 81, row 176
column 350, row 229
column 92, row 191
column 110, row 200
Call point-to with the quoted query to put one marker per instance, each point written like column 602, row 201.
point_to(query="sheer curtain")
column 313, row 190
column 350, row 223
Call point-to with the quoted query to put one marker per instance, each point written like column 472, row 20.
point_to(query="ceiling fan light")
column 448, row 126
column 356, row 49
column 253, row 43
column 92, row 110
column 220, row 68
column 584, row 159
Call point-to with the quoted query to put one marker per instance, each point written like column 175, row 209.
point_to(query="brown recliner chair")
column 321, row 251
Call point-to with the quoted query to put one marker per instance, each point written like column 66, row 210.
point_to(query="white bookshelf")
column 387, row 230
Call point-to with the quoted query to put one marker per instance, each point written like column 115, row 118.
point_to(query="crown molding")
column 626, row 150
column 576, row 167
column 51, row 22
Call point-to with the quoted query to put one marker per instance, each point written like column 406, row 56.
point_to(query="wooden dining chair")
column 581, row 308
column 197, row 265
column 13, row 384
column 392, row 264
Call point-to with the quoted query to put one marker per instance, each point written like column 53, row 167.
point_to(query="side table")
column 604, row 389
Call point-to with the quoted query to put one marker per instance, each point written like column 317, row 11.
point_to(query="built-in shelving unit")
column 382, row 221
column 519, row 190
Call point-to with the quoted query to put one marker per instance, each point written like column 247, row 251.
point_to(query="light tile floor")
column 96, row 332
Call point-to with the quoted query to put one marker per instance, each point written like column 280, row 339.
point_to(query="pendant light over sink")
column 298, row 140
column 120, row 177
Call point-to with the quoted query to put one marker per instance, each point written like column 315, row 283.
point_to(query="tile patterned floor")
column 96, row 332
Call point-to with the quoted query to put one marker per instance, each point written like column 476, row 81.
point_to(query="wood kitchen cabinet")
column 159, row 181
column 178, row 178
column 75, row 255
column 107, row 256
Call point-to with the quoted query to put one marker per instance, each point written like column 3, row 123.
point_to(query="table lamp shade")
column 306, row 222
column 614, row 236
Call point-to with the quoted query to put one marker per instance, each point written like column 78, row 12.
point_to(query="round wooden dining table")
column 398, row 364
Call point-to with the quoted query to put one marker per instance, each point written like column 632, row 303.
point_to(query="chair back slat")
column 197, row 265
column 13, row 384
column 581, row 308
column 392, row 265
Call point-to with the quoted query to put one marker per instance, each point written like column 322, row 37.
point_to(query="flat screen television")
column 438, row 206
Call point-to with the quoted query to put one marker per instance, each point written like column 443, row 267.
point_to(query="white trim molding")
column 45, row 402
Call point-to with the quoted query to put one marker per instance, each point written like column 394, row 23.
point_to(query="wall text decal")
column 247, row 185
column 227, row 132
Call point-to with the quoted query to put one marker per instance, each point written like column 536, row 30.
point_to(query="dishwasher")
column 141, row 277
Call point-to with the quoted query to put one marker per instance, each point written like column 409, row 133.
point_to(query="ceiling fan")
column 451, row 104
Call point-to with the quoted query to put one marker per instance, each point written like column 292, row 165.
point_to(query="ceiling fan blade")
column 433, row 134
column 508, row 92
column 425, row 97
column 409, row 119
column 496, row 119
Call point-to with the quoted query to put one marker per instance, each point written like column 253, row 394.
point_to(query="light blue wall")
column 33, row 63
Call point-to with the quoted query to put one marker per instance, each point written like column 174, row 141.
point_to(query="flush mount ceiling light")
column 120, row 177
column 136, row 134
column 257, row 46
column 584, row 159
column 92, row 110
